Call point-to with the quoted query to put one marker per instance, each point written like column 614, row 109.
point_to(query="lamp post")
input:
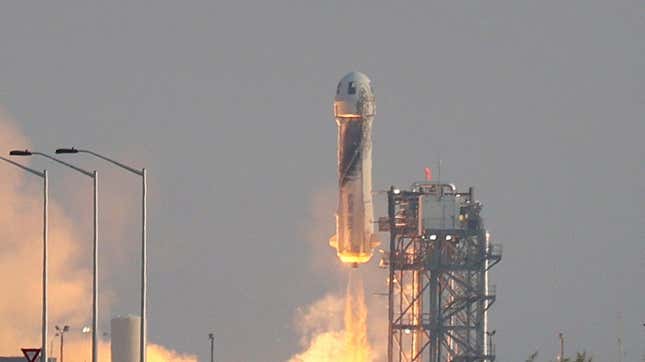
column 51, row 344
column 211, row 337
column 85, row 330
column 61, row 332
column 95, row 178
column 491, row 349
column 643, row 352
column 43, row 175
column 144, row 238
column 561, row 336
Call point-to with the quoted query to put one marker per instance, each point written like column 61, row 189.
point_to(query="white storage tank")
column 124, row 333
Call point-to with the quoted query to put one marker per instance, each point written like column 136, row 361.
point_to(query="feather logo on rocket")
column 354, row 112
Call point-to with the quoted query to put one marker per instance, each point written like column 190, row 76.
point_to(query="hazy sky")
column 538, row 104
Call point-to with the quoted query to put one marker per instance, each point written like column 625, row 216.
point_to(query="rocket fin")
column 333, row 242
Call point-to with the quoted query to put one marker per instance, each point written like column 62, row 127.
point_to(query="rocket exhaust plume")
column 328, row 338
column 325, row 338
column 20, row 268
column 354, row 111
column 357, row 348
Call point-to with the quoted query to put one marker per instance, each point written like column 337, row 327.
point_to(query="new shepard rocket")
column 354, row 112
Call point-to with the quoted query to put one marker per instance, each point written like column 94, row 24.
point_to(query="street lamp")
column 144, row 263
column 85, row 330
column 51, row 344
column 490, row 342
column 61, row 332
column 95, row 303
column 43, row 175
column 211, row 337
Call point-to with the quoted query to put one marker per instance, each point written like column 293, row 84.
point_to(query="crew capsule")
column 354, row 97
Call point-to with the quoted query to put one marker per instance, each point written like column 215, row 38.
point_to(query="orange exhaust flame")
column 357, row 348
column 78, row 349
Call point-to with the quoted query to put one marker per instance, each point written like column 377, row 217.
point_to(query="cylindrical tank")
column 124, row 333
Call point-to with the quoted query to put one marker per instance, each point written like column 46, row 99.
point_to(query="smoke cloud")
column 345, row 327
column 335, row 328
column 21, row 267
column 21, row 256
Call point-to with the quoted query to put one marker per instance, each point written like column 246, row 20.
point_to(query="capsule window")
column 351, row 88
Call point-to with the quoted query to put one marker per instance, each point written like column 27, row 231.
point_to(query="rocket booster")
column 354, row 111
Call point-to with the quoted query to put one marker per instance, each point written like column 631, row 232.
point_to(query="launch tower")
column 438, row 259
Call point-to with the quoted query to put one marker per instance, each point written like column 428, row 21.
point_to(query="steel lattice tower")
column 439, row 257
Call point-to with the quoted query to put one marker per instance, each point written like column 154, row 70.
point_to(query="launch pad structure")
column 438, row 259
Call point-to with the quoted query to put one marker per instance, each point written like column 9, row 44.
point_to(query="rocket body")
column 354, row 113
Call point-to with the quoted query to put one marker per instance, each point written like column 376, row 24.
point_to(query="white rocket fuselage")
column 354, row 113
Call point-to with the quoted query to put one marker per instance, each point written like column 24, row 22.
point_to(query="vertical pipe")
column 144, row 266
column 95, row 302
column 45, row 232
column 417, row 286
column 435, row 301
column 487, row 339
column 390, row 306
column 416, row 311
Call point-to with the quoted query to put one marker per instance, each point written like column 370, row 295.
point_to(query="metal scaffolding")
column 438, row 259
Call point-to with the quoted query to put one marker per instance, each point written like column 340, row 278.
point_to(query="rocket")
column 354, row 112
